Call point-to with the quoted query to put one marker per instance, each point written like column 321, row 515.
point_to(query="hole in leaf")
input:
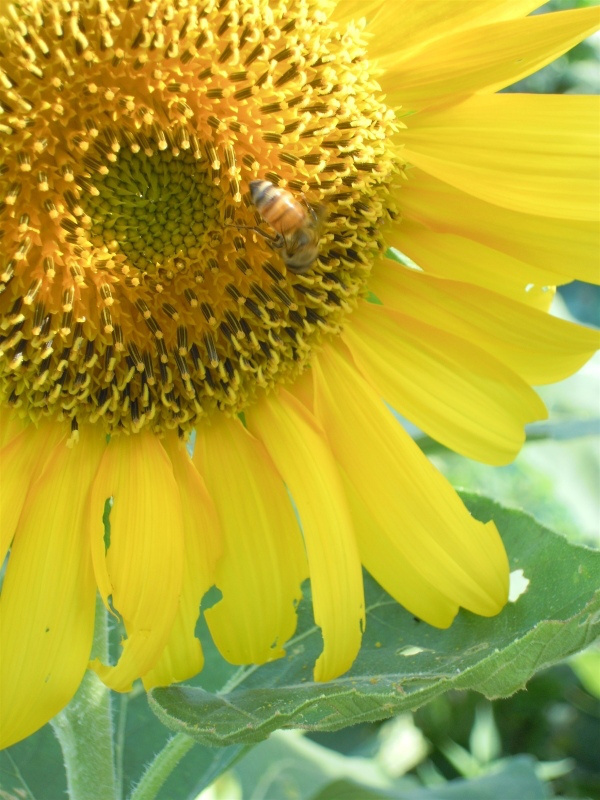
column 518, row 585
column 410, row 650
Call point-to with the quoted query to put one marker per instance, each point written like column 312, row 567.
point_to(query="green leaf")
column 562, row 429
column 405, row 663
column 587, row 668
column 289, row 765
column 515, row 778
column 143, row 738
column 33, row 768
column 556, row 481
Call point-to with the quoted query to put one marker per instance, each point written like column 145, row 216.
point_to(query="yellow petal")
column 22, row 460
column 143, row 566
column 182, row 657
column 383, row 553
column 447, row 386
column 537, row 154
column 569, row 247
column 264, row 562
column 302, row 390
column 406, row 496
column 538, row 347
column 486, row 58
column 301, row 453
column 48, row 597
column 10, row 426
column 449, row 255
column 346, row 11
column 406, row 25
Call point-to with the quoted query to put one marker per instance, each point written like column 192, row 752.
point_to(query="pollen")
column 139, row 284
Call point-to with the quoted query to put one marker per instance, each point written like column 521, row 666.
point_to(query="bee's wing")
column 293, row 241
column 319, row 215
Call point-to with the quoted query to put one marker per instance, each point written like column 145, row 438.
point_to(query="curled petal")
column 142, row 569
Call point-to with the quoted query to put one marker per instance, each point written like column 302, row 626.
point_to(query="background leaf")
column 556, row 475
column 33, row 769
column 143, row 738
column 404, row 663
column 288, row 765
column 515, row 778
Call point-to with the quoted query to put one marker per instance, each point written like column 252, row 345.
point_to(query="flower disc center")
column 141, row 285
column 158, row 210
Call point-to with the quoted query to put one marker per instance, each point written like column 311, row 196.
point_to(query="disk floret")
column 134, row 290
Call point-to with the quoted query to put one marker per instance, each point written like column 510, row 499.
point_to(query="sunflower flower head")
column 151, row 288
column 135, row 293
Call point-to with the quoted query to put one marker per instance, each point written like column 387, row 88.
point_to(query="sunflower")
column 149, row 303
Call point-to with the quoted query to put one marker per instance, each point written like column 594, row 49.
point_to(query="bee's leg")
column 258, row 230
column 278, row 242
column 310, row 210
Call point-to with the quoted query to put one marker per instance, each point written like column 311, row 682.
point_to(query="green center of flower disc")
column 139, row 282
column 160, row 212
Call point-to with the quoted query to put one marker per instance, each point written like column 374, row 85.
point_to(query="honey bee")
column 298, row 227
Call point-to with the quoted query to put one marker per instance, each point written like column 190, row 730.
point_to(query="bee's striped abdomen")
column 277, row 207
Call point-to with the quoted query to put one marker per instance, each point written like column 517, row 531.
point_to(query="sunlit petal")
column 424, row 21
column 570, row 249
column 383, row 553
column 538, row 347
column 498, row 148
column 406, row 496
column 346, row 11
column 454, row 256
column 481, row 58
column 444, row 384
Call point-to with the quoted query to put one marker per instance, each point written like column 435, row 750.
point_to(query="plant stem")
column 85, row 729
column 120, row 739
column 162, row 766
